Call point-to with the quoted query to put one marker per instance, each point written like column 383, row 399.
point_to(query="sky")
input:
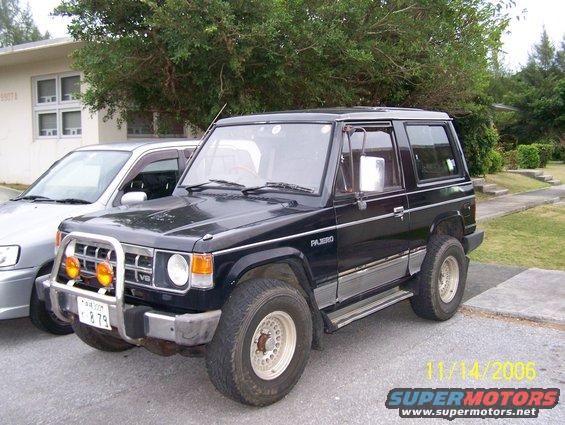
column 523, row 32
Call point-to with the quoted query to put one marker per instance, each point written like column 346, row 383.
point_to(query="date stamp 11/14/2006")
column 491, row 370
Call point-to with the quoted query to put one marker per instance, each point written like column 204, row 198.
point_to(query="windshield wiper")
column 72, row 201
column 39, row 198
column 279, row 185
column 32, row 198
column 219, row 181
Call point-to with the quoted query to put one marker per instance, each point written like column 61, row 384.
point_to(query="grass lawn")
column 15, row 186
column 533, row 238
column 556, row 169
column 515, row 183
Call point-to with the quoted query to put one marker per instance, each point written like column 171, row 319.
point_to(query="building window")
column 71, row 123
column 70, row 87
column 56, row 106
column 47, row 124
column 47, row 91
column 141, row 124
column 148, row 124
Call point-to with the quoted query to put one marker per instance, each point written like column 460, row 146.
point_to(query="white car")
column 88, row 179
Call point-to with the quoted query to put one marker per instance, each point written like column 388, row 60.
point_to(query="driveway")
column 47, row 379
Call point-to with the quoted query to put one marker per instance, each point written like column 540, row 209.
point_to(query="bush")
column 495, row 161
column 558, row 153
column 545, row 151
column 511, row 159
column 528, row 156
column 478, row 138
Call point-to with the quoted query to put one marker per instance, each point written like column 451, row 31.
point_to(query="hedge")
column 528, row 156
column 495, row 161
column 545, row 151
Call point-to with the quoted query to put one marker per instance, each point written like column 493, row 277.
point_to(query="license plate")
column 93, row 313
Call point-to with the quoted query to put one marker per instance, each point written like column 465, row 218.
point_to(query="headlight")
column 177, row 268
column 9, row 255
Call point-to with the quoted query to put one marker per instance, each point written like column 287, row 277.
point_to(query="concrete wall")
column 23, row 156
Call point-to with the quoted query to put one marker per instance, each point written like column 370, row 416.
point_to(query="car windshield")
column 270, row 157
column 82, row 175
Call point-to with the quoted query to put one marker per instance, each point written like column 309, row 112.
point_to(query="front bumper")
column 15, row 292
column 472, row 241
column 134, row 324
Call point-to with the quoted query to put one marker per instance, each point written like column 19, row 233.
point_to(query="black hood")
column 178, row 222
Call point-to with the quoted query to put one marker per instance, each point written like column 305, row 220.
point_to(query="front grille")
column 138, row 262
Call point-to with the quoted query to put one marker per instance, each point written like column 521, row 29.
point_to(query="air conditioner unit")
column 47, row 99
column 48, row 132
column 73, row 131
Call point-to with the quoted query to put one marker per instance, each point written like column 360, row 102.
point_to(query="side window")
column 157, row 179
column 380, row 144
column 433, row 154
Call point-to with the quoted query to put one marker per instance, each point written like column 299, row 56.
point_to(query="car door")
column 156, row 174
column 372, row 235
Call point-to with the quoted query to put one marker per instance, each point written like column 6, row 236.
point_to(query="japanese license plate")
column 93, row 313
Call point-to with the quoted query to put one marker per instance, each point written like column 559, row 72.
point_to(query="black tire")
column 45, row 320
column 228, row 358
column 101, row 340
column 427, row 303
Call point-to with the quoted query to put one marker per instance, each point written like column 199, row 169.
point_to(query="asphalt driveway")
column 47, row 379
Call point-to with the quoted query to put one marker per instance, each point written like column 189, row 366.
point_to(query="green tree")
column 17, row 25
column 538, row 91
column 188, row 58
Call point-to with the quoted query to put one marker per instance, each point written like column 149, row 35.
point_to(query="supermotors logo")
column 451, row 403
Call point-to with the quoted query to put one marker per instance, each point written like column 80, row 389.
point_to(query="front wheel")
column 44, row 319
column 441, row 281
column 262, row 343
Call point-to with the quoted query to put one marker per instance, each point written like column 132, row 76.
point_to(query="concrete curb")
column 534, row 294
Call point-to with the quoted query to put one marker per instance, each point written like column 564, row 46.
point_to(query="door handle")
column 399, row 212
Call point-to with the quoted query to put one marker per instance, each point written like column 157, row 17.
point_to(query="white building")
column 40, row 117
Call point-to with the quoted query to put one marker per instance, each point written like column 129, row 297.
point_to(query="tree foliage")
column 538, row 91
column 188, row 58
column 17, row 25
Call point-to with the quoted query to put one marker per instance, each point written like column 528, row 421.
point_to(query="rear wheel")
column 44, row 319
column 100, row 340
column 441, row 281
column 262, row 343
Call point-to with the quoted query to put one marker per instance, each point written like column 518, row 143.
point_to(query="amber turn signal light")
column 104, row 273
column 202, row 263
column 72, row 267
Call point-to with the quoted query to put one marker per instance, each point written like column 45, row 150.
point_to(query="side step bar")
column 363, row 308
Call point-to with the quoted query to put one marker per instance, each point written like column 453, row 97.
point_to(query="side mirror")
column 371, row 174
column 131, row 198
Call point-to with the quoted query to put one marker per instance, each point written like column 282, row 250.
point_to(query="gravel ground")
column 49, row 379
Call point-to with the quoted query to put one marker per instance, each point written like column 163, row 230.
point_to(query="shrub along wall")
column 528, row 156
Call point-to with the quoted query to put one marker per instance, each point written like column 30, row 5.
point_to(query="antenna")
column 214, row 120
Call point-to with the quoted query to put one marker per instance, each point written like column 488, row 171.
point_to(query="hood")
column 32, row 226
column 178, row 222
column 18, row 218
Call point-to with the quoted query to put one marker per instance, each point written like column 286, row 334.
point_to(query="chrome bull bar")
column 116, row 301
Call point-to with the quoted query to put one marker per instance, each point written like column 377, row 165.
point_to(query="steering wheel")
column 243, row 168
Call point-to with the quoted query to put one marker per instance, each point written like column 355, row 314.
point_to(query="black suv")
column 284, row 226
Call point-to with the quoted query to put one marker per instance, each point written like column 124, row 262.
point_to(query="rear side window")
column 433, row 153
